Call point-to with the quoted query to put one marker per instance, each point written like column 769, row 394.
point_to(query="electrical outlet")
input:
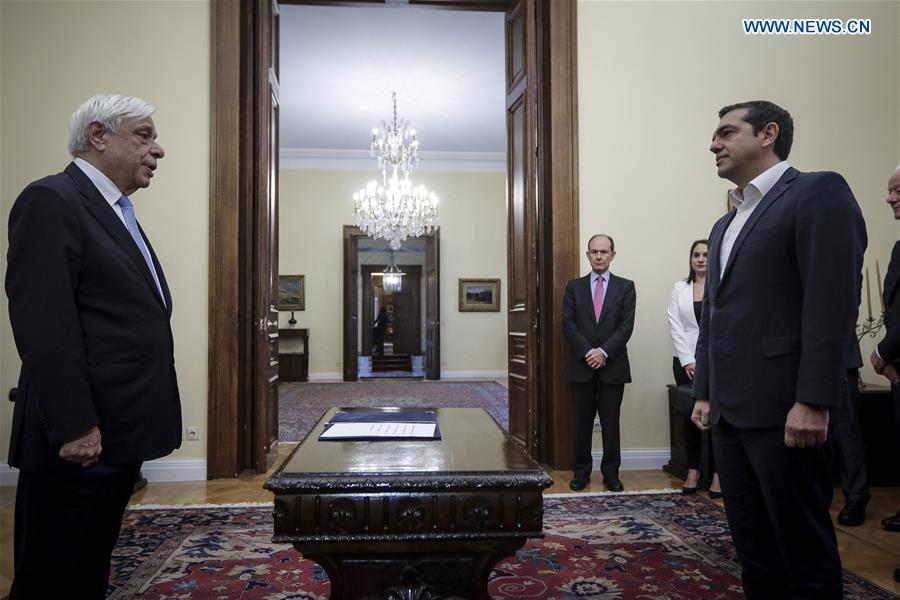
column 191, row 434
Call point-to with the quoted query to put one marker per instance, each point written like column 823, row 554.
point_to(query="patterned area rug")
column 601, row 546
column 300, row 405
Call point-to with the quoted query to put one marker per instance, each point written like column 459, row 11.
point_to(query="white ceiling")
column 340, row 64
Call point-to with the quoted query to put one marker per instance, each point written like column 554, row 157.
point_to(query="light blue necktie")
column 131, row 224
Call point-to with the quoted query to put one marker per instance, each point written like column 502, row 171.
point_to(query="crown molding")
column 328, row 159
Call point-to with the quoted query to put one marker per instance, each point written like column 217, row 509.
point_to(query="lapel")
column 586, row 297
column 110, row 221
column 715, row 249
column 780, row 187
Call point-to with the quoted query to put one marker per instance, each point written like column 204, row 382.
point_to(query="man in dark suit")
column 846, row 439
column 886, row 357
column 97, row 393
column 597, row 320
column 781, row 300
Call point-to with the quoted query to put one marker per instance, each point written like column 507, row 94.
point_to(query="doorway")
column 392, row 331
column 541, row 45
column 416, row 340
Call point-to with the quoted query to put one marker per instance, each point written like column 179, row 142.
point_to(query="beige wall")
column 652, row 76
column 53, row 56
column 314, row 206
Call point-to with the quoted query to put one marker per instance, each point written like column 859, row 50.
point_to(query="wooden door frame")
column 556, row 184
column 351, row 236
column 367, row 322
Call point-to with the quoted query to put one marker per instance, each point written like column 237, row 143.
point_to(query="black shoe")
column 714, row 495
column 892, row 523
column 614, row 485
column 577, row 484
column 853, row 513
column 687, row 491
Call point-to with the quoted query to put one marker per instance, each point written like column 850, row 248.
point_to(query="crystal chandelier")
column 396, row 209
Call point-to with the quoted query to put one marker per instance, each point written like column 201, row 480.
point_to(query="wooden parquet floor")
column 868, row 550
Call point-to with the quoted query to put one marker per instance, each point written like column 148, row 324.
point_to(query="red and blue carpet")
column 602, row 546
column 301, row 404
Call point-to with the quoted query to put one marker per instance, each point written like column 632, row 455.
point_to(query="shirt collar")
column 759, row 186
column 104, row 184
column 605, row 276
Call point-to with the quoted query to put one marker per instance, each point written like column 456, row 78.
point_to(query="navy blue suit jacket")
column 611, row 332
column 90, row 327
column 775, row 326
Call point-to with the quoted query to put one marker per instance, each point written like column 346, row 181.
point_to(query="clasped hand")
column 595, row 359
column 84, row 450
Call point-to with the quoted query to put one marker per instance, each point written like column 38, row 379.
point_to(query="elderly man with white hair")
column 97, row 392
column 886, row 357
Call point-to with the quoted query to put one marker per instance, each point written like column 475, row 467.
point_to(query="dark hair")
column 612, row 243
column 762, row 112
column 692, row 276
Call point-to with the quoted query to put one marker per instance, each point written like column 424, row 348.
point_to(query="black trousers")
column 693, row 437
column 66, row 526
column 776, row 501
column 603, row 399
column 849, row 447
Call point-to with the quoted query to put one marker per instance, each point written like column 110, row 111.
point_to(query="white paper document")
column 378, row 430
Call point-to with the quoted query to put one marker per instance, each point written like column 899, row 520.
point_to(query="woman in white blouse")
column 684, row 314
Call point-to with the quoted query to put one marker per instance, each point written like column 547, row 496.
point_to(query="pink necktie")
column 598, row 299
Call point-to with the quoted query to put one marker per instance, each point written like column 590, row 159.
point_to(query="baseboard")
column 326, row 376
column 161, row 470
column 444, row 375
column 164, row 470
column 637, row 459
column 474, row 374
column 8, row 475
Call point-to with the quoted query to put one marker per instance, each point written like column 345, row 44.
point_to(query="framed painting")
column 479, row 295
column 291, row 292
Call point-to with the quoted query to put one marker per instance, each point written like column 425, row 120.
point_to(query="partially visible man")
column 886, row 357
column 597, row 320
column 779, row 307
column 849, row 447
column 90, row 309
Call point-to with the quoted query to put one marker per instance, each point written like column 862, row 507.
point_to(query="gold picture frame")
column 479, row 295
column 291, row 292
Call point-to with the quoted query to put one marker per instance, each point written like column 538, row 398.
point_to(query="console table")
column 411, row 518
column 293, row 365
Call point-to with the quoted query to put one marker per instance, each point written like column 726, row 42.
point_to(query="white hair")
column 106, row 109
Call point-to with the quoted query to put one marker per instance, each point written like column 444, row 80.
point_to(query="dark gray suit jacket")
column 611, row 333
column 90, row 328
column 775, row 327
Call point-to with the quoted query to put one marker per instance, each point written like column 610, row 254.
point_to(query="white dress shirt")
column 746, row 201
column 104, row 185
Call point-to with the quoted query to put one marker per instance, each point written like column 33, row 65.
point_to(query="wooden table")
column 410, row 519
